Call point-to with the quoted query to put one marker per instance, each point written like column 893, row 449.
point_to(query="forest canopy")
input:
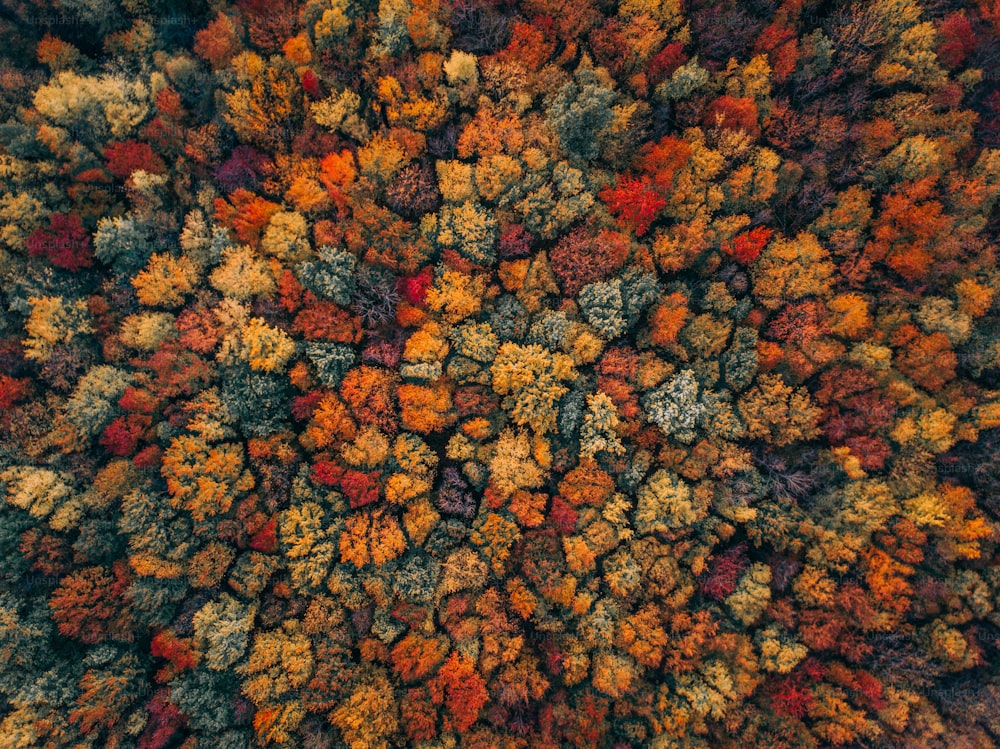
column 499, row 373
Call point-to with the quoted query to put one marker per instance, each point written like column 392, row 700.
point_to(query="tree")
column 415, row 657
column 65, row 244
column 371, row 538
column 426, row 409
column 580, row 110
column 242, row 275
column 634, row 203
column 39, row 491
column 279, row 663
column 664, row 504
column 927, row 359
column 512, row 466
column 204, row 479
column 219, row 42
column 778, row 414
column 123, row 241
column 613, row 673
column 268, row 104
column 675, row 407
column 94, row 402
column 530, row 378
column 580, row 258
column 165, row 281
column 330, row 276
column 264, row 348
column 246, row 213
column 370, row 715
column 732, row 113
column 94, row 106
column 790, row 269
column 598, row 432
column 107, row 690
column 456, row 295
column 54, row 321
column 413, row 192
column 125, row 157
column 747, row 247
column 461, row 689
column 88, row 605
column 752, row 594
column 286, row 237
column 222, row 629
column 466, row 227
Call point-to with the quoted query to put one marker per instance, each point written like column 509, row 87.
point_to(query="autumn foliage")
column 527, row 374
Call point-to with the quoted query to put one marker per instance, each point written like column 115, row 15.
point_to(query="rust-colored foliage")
column 580, row 258
column 461, row 689
column 89, row 605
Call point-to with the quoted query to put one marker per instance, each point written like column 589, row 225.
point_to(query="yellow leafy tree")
column 496, row 535
column 287, row 237
column 204, row 479
column 309, row 550
column 512, row 466
column 264, row 107
column 752, row 594
column 147, row 330
column 53, row 321
column 949, row 513
column 370, row 715
column 280, row 662
column 242, row 275
column 790, row 269
column 456, row 295
column 165, row 280
column 777, row 413
column 374, row 538
column 665, row 503
column 530, row 377
column 264, row 348
column 39, row 491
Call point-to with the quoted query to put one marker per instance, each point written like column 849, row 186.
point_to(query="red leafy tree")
column 747, row 247
column 732, row 113
column 414, row 288
column 326, row 473
column 121, row 436
column 460, row 687
column 723, row 574
column 13, row 390
column 176, row 650
column 957, row 39
column 791, row 698
column 662, row 160
column 65, row 244
column 515, row 241
column 128, row 156
column 165, row 720
column 359, row 487
column 634, row 203
column 266, row 539
column 419, row 715
column 665, row 62
column 311, row 84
